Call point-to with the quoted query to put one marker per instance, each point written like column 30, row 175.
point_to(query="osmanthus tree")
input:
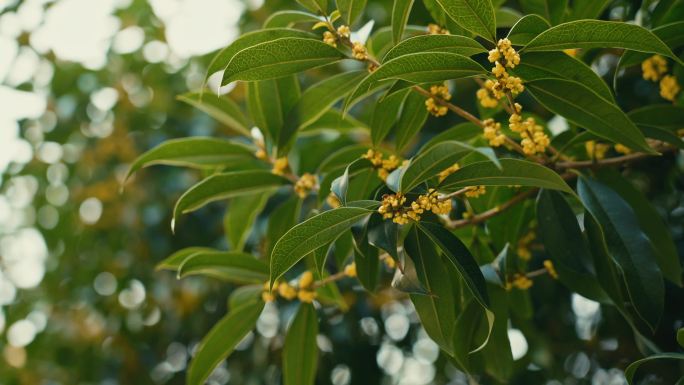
column 333, row 136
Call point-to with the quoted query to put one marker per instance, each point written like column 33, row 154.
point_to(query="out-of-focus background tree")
column 85, row 86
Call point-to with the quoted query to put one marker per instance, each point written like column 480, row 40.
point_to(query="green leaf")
column 460, row 45
column 351, row 10
column 599, row 34
column 650, row 222
column 311, row 234
column 585, row 108
column 221, row 108
column 680, row 337
column 437, row 309
column 476, row 16
column 664, row 116
column 221, row 340
column 430, row 162
column 240, row 218
column 316, row 100
column 411, row 120
column 460, row 257
column 632, row 368
column 385, row 114
column 316, row 6
column 671, row 34
column 527, row 28
column 279, row 57
column 224, row 186
column 342, row 157
column 461, row 132
column 268, row 102
column 286, row 19
column 551, row 10
column 513, row 172
column 340, row 186
column 507, row 17
column 300, row 352
column 229, row 266
column 563, row 241
column 221, row 60
column 281, row 219
column 629, row 246
column 196, row 152
column 381, row 40
column 426, row 67
column 243, row 295
column 587, row 9
column 174, row 261
column 465, row 332
column 544, row 65
column 667, row 11
column 366, row 260
column 400, row 14
column 384, row 235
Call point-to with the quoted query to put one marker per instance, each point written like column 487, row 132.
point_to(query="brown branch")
column 479, row 218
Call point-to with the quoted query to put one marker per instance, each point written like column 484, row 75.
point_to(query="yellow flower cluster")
column 330, row 39
column 523, row 249
column 350, row 270
column 503, row 56
column 434, row 29
column 571, row 51
column 669, row 88
column 389, row 262
column 489, row 95
column 548, row 265
column 304, row 185
column 448, row 171
column 441, row 92
column 654, row 69
column 492, row 132
column 393, row 207
column 344, row 31
column 384, row 166
column 504, row 49
column 359, row 51
column 261, row 154
column 475, row 191
column 520, row 281
column 305, row 290
column 280, row 166
column 534, row 139
column 596, row 150
column 622, row 149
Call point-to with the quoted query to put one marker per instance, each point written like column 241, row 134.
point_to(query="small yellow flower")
column 389, row 262
column 359, row 51
column 266, row 294
column 548, row 265
column 304, row 185
column 344, row 31
column 350, row 270
column 261, row 154
column 669, row 87
column 287, row 291
column 434, row 29
column 448, row 171
column 306, row 296
column 434, row 108
column 475, row 191
column 306, row 280
column 330, row 39
column 333, row 201
column 280, row 166
column 523, row 249
column 384, row 166
column 492, row 132
column 520, row 281
column 622, row 149
column 596, row 150
column 654, row 68
column 571, row 52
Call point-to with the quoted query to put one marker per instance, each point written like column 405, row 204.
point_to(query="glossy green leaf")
column 221, row 340
column 286, row 19
column 224, row 186
column 384, row 235
column 366, row 258
column 544, row 65
column 240, row 218
column 527, row 28
column 174, row 261
column 316, row 6
column 351, row 10
column 650, row 222
column 671, row 34
column 584, row 107
column 316, row 101
column 587, row 9
column 680, row 337
column 221, row 108
column 281, row 219
column 437, row 309
column 629, row 246
column 599, row 34
column 476, row 16
column 197, row 152
column 460, row 257
column 426, row 67
column 551, row 10
column 385, row 114
column 229, row 266
column 342, row 157
column 632, row 368
column 269, row 101
column 400, row 14
column 460, row 45
column 513, row 172
column 668, row 117
column 340, row 186
column 381, row 40
column 431, row 162
column 461, row 132
column 667, row 11
column 507, row 17
column 300, row 352
column 411, row 120
column 221, row 60
column 243, row 295
column 311, row 234
column 564, row 242
column 279, row 57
